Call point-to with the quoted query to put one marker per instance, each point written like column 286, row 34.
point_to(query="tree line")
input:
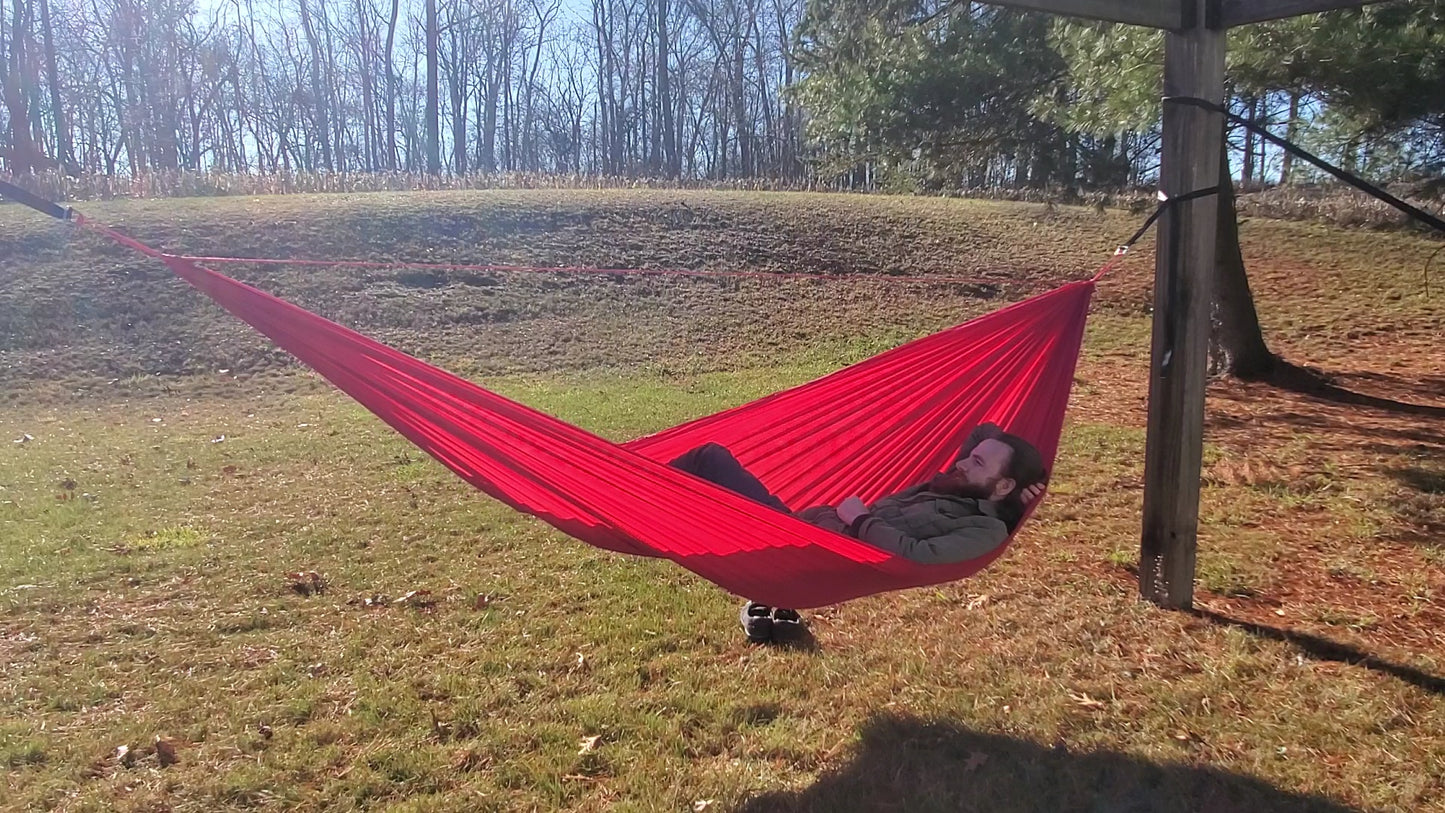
column 909, row 94
column 680, row 88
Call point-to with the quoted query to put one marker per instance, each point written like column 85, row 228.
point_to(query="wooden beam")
column 1183, row 289
column 1151, row 13
column 1243, row 12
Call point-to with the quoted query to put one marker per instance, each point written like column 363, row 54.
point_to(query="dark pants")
column 714, row 463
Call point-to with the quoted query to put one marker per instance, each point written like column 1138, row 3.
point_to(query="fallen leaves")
column 166, row 752
column 417, row 599
column 421, row 599
column 307, row 582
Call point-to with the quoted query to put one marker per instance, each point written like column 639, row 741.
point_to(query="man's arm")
column 978, row 536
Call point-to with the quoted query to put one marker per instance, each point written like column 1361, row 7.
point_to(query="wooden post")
column 1184, row 269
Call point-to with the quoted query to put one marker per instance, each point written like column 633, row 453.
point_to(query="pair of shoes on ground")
column 762, row 623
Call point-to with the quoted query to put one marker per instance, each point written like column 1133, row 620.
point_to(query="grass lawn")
column 225, row 586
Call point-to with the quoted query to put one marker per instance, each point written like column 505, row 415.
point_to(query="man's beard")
column 954, row 485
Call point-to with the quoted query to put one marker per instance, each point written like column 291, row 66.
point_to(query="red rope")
column 1109, row 266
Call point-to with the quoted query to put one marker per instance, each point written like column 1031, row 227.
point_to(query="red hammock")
column 871, row 429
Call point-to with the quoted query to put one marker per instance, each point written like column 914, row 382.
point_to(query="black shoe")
column 787, row 624
column 757, row 621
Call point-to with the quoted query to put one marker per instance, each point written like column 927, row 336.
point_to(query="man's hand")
column 851, row 509
column 1031, row 493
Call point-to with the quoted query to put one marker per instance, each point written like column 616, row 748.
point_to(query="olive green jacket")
column 922, row 525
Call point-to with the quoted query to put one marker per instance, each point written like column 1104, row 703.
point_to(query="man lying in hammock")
column 960, row 514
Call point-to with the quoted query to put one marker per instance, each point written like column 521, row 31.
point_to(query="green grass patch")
column 168, row 539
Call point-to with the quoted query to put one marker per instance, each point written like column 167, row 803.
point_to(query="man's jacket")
column 922, row 525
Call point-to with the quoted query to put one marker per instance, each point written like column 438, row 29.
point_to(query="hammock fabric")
column 871, row 429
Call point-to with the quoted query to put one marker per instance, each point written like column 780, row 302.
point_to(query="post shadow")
column 1323, row 649
column 916, row 765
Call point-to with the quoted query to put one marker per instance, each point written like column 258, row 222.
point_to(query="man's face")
column 979, row 474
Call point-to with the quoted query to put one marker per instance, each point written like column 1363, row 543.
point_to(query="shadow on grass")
column 1424, row 509
column 1340, row 420
column 1313, row 383
column 909, row 764
column 1324, row 649
column 798, row 638
column 1422, row 480
column 1339, row 430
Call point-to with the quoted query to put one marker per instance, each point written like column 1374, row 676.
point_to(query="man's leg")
column 714, row 463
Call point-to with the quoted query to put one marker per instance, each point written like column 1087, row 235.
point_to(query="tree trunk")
column 23, row 154
column 787, row 145
column 606, row 98
column 1236, row 344
column 459, row 122
column 1246, row 175
column 528, row 106
column 508, row 135
column 368, row 95
column 63, row 147
column 390, row 143
column 740, row 108
column 457, row 71
column 489, row 115
column 663, row 97
column 766, row 150
column 336, row 111
column 318, row 89
column 433, row 126
column 1291, row 129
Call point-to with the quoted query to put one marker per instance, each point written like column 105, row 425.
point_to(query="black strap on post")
column 1355, row 181
column 1158, row 212
column 33, row 200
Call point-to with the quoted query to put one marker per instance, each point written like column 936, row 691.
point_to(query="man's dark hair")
column 1026, row 468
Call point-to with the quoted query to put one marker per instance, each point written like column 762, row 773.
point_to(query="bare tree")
column 669, row 87
column 63, row 148
column 433, row 125
column 24, row 155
